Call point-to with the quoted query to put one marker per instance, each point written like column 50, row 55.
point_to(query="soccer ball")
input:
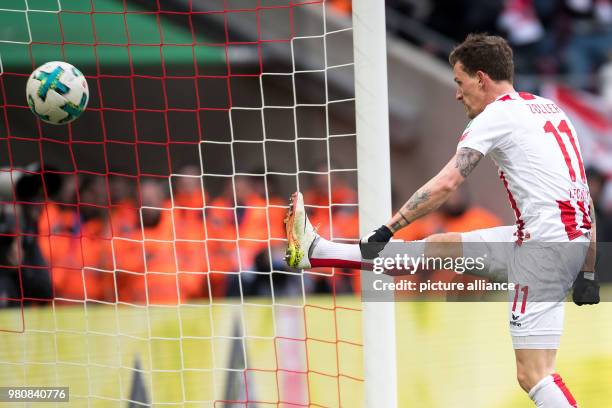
column 57, row 92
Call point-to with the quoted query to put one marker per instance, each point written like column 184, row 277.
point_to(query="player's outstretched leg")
column 306, row 249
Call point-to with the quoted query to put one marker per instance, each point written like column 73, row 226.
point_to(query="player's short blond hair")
column 490, row 54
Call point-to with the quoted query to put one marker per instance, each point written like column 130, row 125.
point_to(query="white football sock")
column 326, row 253
column 333, row 254
column 551, row 392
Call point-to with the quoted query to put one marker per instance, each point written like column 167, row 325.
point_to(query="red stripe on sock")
column 559, row 382
column 334, row 263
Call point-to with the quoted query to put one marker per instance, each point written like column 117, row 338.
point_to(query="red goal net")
column 143, row 244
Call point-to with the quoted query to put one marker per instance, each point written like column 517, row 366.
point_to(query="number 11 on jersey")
column 568, row 211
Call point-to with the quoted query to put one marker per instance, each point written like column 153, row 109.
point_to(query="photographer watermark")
column 428, row 286
column 477, row 271
column 405, row 264
column 410, row 264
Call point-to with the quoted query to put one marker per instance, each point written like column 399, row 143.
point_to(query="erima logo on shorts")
column 514, row 320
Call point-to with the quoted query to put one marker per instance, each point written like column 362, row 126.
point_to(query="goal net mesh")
column 143, row 244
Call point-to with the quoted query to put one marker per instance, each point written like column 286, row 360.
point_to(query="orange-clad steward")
column 151, row 267
column 332, row 202
column 76, row 243
column 238, row 224
column 125, row 212
column 342, row 199
column 341, row 6
column 189, row 199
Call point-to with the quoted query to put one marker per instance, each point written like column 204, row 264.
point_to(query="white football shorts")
column 542, row 273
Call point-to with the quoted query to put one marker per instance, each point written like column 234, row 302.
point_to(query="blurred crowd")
column 572, row 38
column 568, row 38
column 160, row 241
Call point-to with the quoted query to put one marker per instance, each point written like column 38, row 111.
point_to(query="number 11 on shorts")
column 525, row 290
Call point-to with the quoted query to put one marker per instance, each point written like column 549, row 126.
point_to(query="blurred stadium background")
column 142, row 245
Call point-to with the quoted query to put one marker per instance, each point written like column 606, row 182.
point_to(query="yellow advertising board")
column 449, row 354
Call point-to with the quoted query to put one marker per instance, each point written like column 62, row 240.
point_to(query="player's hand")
column 586, row 291
column 371, row 245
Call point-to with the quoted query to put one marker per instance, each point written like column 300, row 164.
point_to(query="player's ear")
column 481, row 76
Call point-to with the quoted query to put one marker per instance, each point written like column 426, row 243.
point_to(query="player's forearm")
column 437, row 190
column 426, row 199
column 589, row 261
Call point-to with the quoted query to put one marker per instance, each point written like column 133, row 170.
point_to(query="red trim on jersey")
column 505, row 98
column 526, row 96
column 566, row 392
column 586, row 217
column 463, row 136
column 334, row 263
column 568, row 218
column 563, row 127
column 550, row 128
column 517, row 213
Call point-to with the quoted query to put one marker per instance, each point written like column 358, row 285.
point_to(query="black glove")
column 586, row 291
column 371, row 245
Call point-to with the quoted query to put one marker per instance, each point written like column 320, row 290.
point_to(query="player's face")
column 469, row 91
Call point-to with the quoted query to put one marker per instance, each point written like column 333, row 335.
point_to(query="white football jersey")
column 536, row 149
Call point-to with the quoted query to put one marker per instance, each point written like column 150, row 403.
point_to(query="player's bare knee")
column 445, row 237
column 522, row 377
column 528, row 378
column 532, row 366
column 444, row 245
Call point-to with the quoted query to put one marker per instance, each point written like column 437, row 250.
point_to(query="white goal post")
column 374, row 184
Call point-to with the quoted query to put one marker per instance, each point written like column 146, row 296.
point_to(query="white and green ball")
column 57, row 92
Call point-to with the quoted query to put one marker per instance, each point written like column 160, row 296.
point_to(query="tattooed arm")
column 437, row 190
